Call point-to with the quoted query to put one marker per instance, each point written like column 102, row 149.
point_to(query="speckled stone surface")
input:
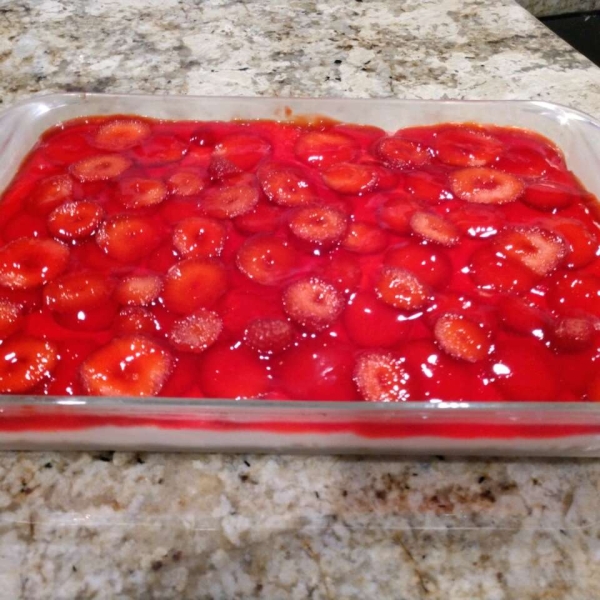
column 546, row 8
column 104, row 526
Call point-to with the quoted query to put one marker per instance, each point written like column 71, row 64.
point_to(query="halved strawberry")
column 477, row 220
column 196, row 332
column 364, row 238
column 77, row 291
column 573, row 334
column 485, row 186
column 429, row 187
column 462, row 338
column 401, row 289
column 266, row 259
column 128, row 237
column 431, row 265
column 24, row 362
column 551, row 196
column 269, row 336
column 264, row 218
column 370, row 323
column 241, row 151
column 325, row 148
column 522, row 317
column 230, row 200
column 160, row 149
column 319, row 225
column 363, row 134
column 343, row 270
column 434, row 228
column 140, row 192
column 465, row 146
column 121, row 134
column 50, row 193
column 194, row 283
column 399, row 153
column 583, row 247
column 382, row 377
column 186, row 183
column 285, row 185
column 396, row 212
column 199, row 237
column 312, row 303
column 350, row 178
column 75, row 220
column 11, row 316
column 129, row 366
column 138, row 290
column 100, row 168
column 576, row 293
column 540, row 250
column 525, row 161
column 28, row 262
column 491, row 270
column 136, row 320
column 232, row 372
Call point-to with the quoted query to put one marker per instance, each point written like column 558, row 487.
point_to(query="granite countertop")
column 548, row 8
column 104, row 525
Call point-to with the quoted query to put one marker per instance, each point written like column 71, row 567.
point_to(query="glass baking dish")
column 532, row 428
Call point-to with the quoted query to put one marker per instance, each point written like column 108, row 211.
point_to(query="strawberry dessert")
column 298, row 261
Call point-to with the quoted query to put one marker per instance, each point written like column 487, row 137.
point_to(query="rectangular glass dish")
column 542, row 428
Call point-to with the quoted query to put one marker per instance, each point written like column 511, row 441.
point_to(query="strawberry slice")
column 593, row 390
column 365, row 135
column 11, row 316
column 100, row 168
column 75, row 292
column 399, row 153
column 344, row 271
column 232, row 371
column 382, row 377
column 434, row 228
column 401, row 289
column 396, row 212
column 24, row 362
column 431, row 265
column 50, row 193
column 75, row 220
column 583, row 247
column 525, row 161
column 319, row 225
column 312, row 303
column 186, row 183
column 576, row 293
column 265, row 218
column 462, row 338
column 194, row 283
column 325, row 148
column 267, row 260
column 196, row 332
column 128, row 366
column 285, row 185
column 522, row 317
column 269, row 336
column 429, row 187
column 462, row 146
column 160, row 149
column 492, row 271
column 551, row 196
column 573, row 334
column 239, row 152
column 28, row 262
column 349, row 178
column 485, row 186
column 540, row 250
column 477, row 220
column 128, row 237
column 140, row 192
column 230, row 200
column 199, row 237
column 136, row 320
column 121, row 134
column 24, row 225
column 370, row 323
column 138, row 290
column 364, row 238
